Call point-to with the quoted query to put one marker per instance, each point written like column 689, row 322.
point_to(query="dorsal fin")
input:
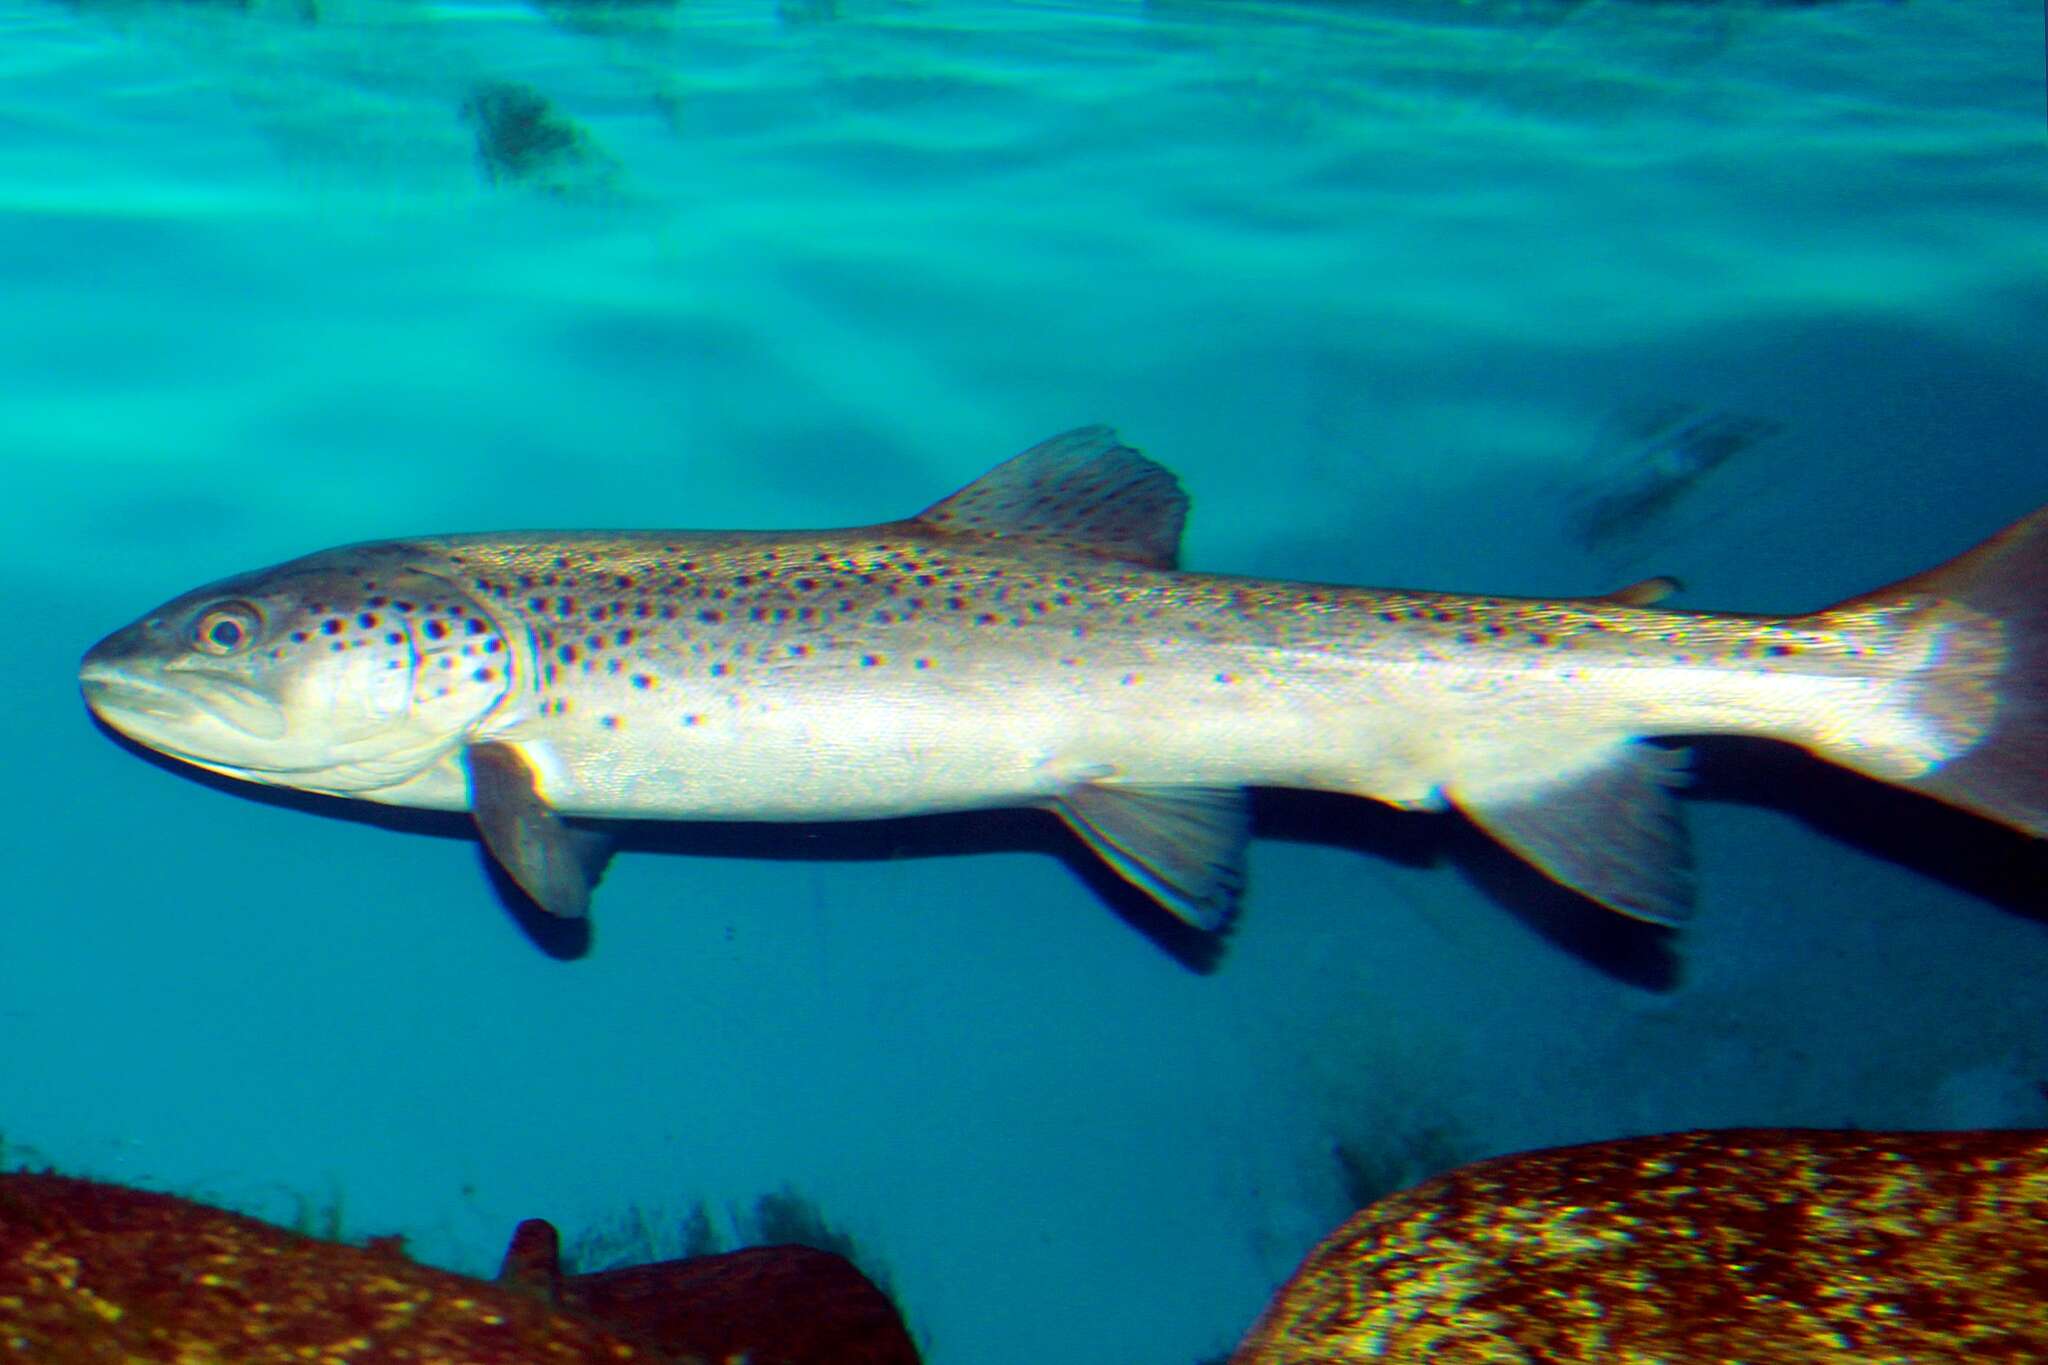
column 1084, row 489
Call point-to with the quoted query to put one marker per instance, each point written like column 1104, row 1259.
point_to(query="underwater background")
column 1524, row 297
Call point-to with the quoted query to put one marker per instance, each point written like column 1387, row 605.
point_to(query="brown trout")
column 1028, row 641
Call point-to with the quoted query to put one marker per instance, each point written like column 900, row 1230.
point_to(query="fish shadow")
column 1964, row 852
column 1632, row 951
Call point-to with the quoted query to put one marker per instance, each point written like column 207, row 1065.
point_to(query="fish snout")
column 112, row 673
column 150, row 691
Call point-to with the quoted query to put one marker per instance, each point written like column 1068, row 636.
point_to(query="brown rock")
column 1775, row 1246
column 782, row 1305
column 94, row 1274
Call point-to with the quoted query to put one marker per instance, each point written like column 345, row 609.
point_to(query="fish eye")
column 226, row 628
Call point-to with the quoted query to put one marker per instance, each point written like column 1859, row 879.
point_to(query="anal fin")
column 1609, row 830
column 551, row 862
column 1183, row 846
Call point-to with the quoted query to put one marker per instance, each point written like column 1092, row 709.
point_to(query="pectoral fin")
column 1183, row 846
column 1610, row 830
column 550, row 861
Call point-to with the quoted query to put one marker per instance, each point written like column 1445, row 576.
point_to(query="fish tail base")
column 1978, row 628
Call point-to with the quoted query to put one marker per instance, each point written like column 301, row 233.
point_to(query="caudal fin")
column 1978, row 699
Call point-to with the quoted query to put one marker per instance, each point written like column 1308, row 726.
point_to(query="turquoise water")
column 1391, row 287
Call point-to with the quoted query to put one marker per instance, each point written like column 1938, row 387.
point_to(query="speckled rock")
column 93, row 1273
column 1764, row 1246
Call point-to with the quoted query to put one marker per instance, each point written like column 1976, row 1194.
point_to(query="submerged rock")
column 1792, row 1247
column 779, row 1305
column 99, row 1273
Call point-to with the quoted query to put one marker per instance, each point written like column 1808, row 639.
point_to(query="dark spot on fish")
column 435, row 630
column 711, row 616
column 608, row 722
column 1537, row 637
column 298, row 637
column 394, row 638
column 484, row 675
column 567, row 654
column 987, row 618
column 691, row 719
column 473, row 625
column 720, row 670
column 331, row 626
column 921, row 663
column 1782, row 651
column 869, row 660
column 642, row 681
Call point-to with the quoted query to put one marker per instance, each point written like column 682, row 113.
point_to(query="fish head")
column 345, row 672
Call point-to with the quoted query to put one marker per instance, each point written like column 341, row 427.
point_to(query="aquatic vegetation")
column 784, row 1217
column 322, row 1218
column 1798, row 1247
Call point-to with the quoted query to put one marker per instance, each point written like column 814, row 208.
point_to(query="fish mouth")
column 166, row 714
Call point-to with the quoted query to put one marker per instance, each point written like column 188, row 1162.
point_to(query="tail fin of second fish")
column 1970, row 723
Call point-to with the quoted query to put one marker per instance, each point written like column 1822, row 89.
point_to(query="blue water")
column 1383, row 283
